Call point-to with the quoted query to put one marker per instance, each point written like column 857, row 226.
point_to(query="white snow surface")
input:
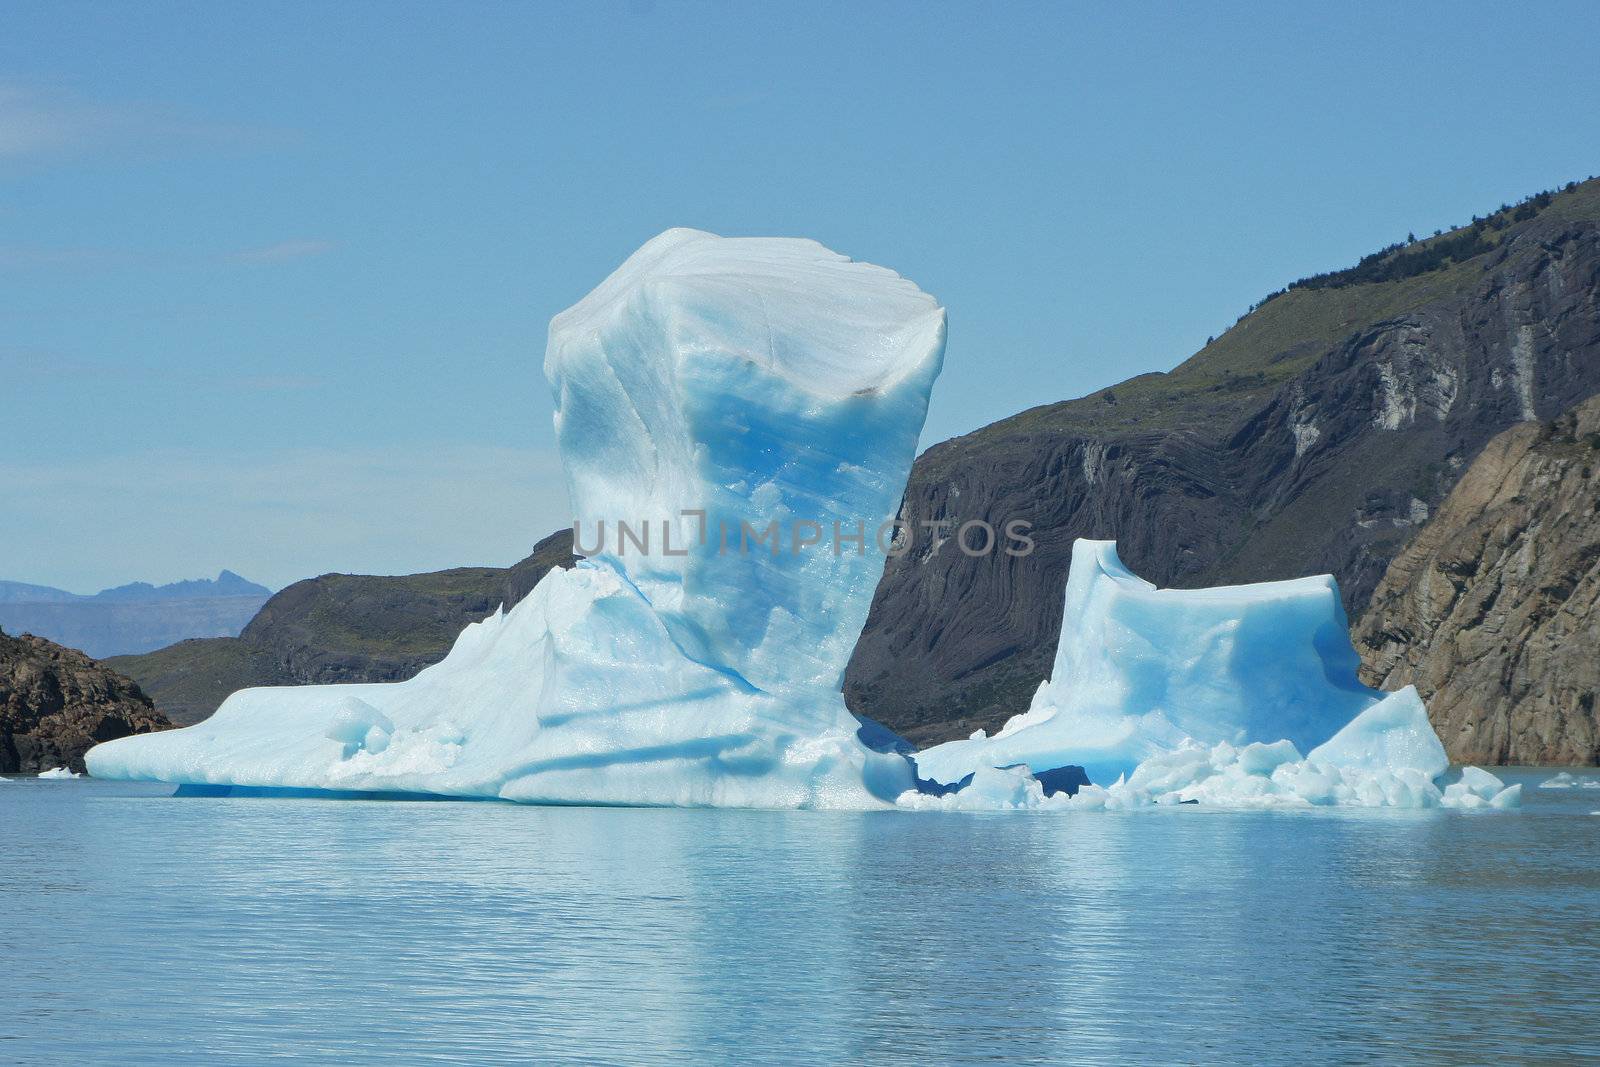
column 751, row 379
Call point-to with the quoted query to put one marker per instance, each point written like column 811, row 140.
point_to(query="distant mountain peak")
column 135, row 617
column 227, row 583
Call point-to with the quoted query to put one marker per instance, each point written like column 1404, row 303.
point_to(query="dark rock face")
column 1316, row 436
column 56, row 703
column 1401, row 407
column 1493, row 610
column 340, row 628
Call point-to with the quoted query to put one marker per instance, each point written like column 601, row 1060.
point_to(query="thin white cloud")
column 282, row 252
column 42, row 122
column 33, row 123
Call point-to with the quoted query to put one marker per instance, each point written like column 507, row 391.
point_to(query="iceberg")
column 721, row 405
column 58, row 773
column 1140, row 670
column 737, row 419
column 1205, row 696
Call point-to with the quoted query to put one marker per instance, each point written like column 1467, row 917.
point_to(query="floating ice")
column 1387, row 757
column 719, row 397
column 991, row 789
column 708, row 384
column 1139, row 671
column 1210, row 697
column 1563, row 780
column 59, row 772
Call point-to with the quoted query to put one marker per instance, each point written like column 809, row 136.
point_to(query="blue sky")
column 275, row 278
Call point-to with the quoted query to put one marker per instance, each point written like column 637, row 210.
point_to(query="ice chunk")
column 358, row 725
column 1481, row 782
column 1393, row 733
column 1509, row 797
column 991, row 789
column 1140, row 670
column 1259, row 758
column 1477, row 788
column 709, row 385
column 1185, row 697
column 1563, row 780
column 59, row 772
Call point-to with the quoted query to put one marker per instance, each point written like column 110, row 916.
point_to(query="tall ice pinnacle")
column 719, row 385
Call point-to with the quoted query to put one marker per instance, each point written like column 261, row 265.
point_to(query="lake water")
column 143, row 928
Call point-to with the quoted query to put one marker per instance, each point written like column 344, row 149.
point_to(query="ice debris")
column 1387, row 757
column 1564, row 780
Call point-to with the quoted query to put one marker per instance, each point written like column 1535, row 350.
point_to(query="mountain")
column 132, row 618
column 1493, row 610
column 339, row 628
column 1318, row 434
column 23, row 593
column 55, row 703
column 226, row 584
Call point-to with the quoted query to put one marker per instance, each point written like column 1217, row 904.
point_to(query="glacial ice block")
column 721, row 385
column 1140, row 671
column 708, row 384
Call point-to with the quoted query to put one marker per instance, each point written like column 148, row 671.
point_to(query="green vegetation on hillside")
column 1294, row 327
column 190, row 678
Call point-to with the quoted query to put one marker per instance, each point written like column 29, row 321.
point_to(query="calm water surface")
column 143, row 928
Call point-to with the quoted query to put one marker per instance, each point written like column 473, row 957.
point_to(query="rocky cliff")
column 56, row 703
column 1316, row 435
column 1493, row 610
column 339, row 628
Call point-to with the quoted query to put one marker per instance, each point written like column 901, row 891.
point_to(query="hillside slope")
column 1493, row 610
column 56, row 703
column 339, row 628
column 1316, row 435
